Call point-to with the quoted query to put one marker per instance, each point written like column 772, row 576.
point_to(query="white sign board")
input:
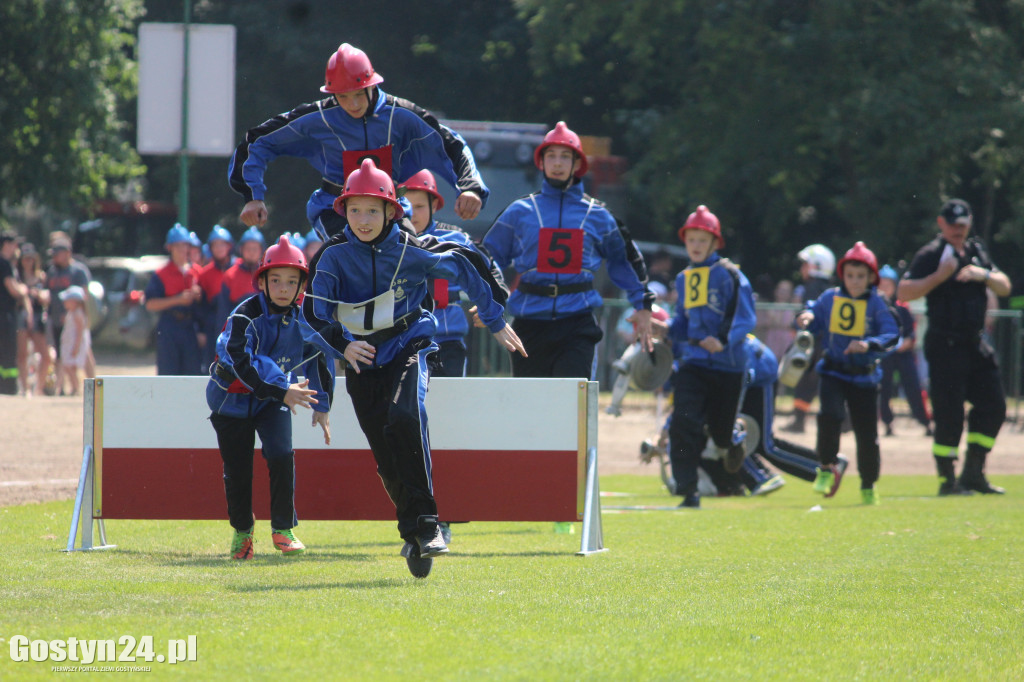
column 211, row 88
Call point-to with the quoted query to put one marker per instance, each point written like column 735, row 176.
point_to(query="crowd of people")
column 377, row 288
column 45, row 344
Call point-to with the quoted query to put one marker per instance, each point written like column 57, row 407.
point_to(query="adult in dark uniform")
column 953, row 273
column 12, row 293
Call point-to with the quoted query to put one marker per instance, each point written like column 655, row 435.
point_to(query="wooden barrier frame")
column 502, row 450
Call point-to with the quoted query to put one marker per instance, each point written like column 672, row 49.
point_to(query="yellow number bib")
column 848, row 316
column 696, row 294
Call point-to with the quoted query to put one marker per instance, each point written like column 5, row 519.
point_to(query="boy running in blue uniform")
column 856, row 330
column 367, row 287
column 252, row 388
column 356, row 121
column 714, row 314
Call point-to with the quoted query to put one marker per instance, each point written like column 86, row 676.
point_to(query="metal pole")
column 183, row 155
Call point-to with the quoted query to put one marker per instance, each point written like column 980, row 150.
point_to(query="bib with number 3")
column 369, row 316
column 696, row 294
column 848, row 316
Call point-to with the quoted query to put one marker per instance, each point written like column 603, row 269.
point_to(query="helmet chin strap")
column 559, row 184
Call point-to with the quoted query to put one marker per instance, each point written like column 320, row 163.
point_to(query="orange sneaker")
column 286, row 541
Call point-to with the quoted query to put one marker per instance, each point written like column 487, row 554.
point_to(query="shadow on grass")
column 379, row 583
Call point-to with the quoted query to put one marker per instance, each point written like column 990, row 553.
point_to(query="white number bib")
column 369, row 316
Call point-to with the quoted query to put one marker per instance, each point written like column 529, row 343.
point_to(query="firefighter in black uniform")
column 954, row 272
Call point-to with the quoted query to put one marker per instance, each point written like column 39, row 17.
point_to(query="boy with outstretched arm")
column 368, row 285
column 856, row 330
column 253, row 389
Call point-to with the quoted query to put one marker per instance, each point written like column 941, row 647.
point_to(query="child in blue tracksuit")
column 452, row 323
column 855, row 329
column 252, row 388
column 714, row 314
column 357, row 120
column 367, row 287
column 557, row 239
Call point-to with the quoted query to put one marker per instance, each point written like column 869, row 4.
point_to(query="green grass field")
column 920, row 588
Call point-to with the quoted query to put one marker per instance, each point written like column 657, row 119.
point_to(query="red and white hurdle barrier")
column 503, row 450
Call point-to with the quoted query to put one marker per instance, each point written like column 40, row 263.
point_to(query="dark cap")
column 956, row 211
column 60, row 244
column 8, row 237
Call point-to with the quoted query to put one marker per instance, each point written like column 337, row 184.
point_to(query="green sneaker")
column 286, row 541
column 869, row 496
column 824, row 480
column 241, row 545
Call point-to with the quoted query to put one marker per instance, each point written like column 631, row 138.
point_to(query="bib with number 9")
column 696, row 294
column 560, row 251
column 369, row 316
column 848, row 316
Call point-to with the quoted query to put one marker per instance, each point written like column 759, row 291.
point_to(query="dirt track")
column 41, row 455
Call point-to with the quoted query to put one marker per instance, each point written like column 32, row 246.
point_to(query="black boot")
column 947, row 477
column 973, row 475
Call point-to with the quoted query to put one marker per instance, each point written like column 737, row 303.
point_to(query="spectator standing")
column 32, row 320
column 12, row 294
column 63, row 272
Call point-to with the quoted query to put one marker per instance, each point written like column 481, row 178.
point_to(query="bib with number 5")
column 369, row 316
column 848, row 316
column 696, row 294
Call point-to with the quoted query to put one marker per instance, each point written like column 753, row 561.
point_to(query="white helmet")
column 820, row 258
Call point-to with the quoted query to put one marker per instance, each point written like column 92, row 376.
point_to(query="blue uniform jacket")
column 322, row 132
column 560, row 237
column 257, row 355
column 372, row 286
column 840, row 320
column 721, row 304
column 452, row 323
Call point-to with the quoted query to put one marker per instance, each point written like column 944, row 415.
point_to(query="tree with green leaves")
column 800, row 122
column 66, row 73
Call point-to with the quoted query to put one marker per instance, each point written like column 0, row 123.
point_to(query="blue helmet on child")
column 193, row 240
column 296, row 239
column 888, row 272
column 177, row 235
column 312, row 236
column 220, row 233
column 252, row 235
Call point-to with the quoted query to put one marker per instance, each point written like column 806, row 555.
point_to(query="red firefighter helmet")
column 860, row 254
column 369, row 181
column 703, row 219
column 349, row 69
column 567, row 138
column 282, row 255
column 425, row 182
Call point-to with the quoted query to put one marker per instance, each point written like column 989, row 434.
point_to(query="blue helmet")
column 177, row 234
column 888, row 272
column 220, row 233
column 207, row 254
column 296, row 239
column 252, row 235
column 312, row 236
column 193, row 240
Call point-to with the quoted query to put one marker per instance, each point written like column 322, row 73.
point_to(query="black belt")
column 553, row 290
column 401, row 325
column 331, row 188
column 852, row 370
